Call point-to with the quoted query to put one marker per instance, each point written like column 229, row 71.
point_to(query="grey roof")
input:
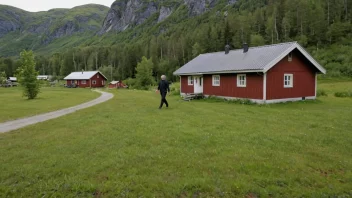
column 85, row 75
column 257, row 59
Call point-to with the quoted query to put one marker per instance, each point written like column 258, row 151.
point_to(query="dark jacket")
column 164, row 86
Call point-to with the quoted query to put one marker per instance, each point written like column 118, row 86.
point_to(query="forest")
column 323, row 27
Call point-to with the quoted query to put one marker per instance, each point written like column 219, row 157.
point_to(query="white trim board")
column 221, row 72
column 264, row 87
column 267, row 101
column 289, row 100
column 316, row 84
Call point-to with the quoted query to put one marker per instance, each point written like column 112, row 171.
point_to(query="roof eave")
column 219, row 72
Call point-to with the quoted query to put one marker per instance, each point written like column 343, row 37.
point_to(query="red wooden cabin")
column 116, row 85
column 85, row 79
column 267, row 74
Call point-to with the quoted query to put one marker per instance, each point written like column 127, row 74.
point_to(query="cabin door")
column 198, row 84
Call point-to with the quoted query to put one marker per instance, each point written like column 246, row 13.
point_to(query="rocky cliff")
column 127, row 13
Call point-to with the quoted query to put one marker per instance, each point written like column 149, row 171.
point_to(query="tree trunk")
column 346, row 9
column 96, row 61
column 74, row 61
column 272, row 36
column 328, row 12
column 276, row 31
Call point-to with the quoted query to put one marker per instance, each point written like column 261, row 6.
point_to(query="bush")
column 130, row 82
column 175, row 89
column 344, row 94
column 321, row 93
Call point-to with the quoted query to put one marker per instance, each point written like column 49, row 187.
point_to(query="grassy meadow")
column 126, row 147
column 14, row 106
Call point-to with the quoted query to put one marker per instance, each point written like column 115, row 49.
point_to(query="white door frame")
column 198, row 82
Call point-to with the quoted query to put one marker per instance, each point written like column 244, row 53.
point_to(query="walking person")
column 163, row 88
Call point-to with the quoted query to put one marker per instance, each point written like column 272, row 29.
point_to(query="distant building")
column 13, row 79
column 86, row 79
column 117, row 85
column 266, row 74
column 43, row 77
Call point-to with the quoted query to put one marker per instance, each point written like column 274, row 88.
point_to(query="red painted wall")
column 303, row 78
column 228, row 86
column 185, row 88
column 98, row 78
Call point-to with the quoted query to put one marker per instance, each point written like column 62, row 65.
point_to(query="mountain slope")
column 26, row 30
column 172, row 32
column 44, row 31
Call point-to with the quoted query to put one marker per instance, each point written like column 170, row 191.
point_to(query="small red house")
column 116, row 85
column 267, row 74
column 86, row 79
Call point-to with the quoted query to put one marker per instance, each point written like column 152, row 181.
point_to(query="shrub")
column 321, row 93
column 343, row 94
column 130, row 82
column 175, row 89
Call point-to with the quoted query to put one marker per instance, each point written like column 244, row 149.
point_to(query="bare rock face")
column 197, row 7
column 232, row 1
column 12, row 22
column 124, row 13
column 8, row 26
column 164, row 13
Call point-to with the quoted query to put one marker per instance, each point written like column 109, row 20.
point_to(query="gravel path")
column 20, row 123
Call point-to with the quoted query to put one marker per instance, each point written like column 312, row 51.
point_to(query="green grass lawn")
column 14, row 106
column 126, row 147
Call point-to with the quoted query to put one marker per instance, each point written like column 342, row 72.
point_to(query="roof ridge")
column 256, row 47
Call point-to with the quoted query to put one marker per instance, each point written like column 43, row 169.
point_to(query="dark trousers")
column 163, row 100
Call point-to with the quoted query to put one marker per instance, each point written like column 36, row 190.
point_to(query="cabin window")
column 97, row 75
column 290, row 57
column 94, row 82
column 83, row 82
column 216, row 80
column 102, row 82
column 241, row 80
column 72, row 81
column 288, row 80
column 190, row 80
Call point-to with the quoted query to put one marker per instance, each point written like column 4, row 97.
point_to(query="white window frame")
column 190, row 80
column 103, row 82
column 290, row 85
column 289, row 57
column 216, row 82
column 97, row 75
column 83, row 82
column 241, row 83
column 94, row 82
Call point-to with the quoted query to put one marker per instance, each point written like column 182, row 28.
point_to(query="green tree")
column 27, row 75
column 196, row 50
column 257, row 40
column 144, row 73
column 2, row 78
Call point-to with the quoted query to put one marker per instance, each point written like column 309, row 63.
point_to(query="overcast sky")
column 44, row 5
